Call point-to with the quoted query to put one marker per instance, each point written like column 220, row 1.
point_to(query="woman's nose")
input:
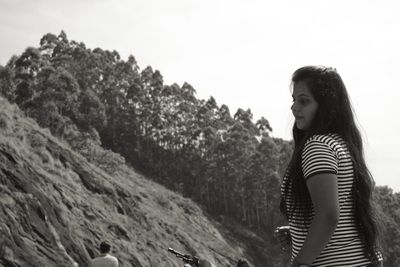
column 293, row 107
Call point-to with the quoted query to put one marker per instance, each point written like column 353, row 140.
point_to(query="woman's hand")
column 282, row 233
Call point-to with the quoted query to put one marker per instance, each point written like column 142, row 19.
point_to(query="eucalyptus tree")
column 387, row 205
column 285, row 149
column 263, row 126
column 26, row 68
column 264, row 182
column 80, row 63
column 245, row 117
column 7, row 83
column 240, row 146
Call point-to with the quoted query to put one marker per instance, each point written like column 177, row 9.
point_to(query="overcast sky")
column 242, row 52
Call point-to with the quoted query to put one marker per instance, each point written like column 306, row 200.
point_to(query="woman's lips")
column 298, row 117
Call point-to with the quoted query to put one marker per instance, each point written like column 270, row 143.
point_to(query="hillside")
column 56, row 207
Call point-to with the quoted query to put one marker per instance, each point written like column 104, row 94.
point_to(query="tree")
column 245, row 118
column 263, row 126
column 7, row 85
column 388, row 208
column 91, row 111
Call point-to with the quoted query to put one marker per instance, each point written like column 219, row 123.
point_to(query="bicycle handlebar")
column 192, row 260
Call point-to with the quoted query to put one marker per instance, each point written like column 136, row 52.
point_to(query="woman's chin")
column 299, row 126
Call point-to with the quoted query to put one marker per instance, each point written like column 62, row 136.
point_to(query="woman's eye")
column 303, row 101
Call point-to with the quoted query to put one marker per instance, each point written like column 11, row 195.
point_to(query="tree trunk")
column 225, row 197
column 244, row 217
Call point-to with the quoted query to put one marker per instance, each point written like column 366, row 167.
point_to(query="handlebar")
column 192, row 260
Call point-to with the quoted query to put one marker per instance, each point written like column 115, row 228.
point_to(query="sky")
column 242, row 53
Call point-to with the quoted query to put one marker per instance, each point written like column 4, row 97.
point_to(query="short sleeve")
column 318, row 157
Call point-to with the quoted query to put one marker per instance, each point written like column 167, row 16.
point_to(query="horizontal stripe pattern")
column 329, row 154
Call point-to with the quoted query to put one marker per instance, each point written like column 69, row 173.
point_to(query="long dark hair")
column 334, row 115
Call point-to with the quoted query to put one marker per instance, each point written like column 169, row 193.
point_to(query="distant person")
column 327, row 188
column 242, row 263
column 105, row 259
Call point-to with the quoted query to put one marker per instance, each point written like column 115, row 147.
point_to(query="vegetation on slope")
column 56, row 207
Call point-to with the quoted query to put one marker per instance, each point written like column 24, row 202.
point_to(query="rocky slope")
column 56, row 207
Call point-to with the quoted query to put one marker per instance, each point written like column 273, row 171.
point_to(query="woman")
column 326, row 192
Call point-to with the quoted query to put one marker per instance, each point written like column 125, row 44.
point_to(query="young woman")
column 326, row 192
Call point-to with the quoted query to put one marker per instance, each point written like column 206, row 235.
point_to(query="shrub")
column 4, row 122
column 36, row 140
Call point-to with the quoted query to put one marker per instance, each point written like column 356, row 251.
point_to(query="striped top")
column 329, row 154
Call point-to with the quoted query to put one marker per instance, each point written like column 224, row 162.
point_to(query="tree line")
column 229, row 164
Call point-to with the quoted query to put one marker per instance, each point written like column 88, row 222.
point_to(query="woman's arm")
column 323, row 190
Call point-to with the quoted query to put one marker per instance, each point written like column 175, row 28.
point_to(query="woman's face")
column 304, row 105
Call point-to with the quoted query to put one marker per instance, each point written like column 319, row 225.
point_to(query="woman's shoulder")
column 332, row 140
column 324, row 138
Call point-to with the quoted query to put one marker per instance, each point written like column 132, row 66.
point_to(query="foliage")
column 388, row 214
